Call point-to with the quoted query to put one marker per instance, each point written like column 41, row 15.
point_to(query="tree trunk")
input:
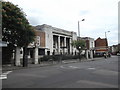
column 25, row 58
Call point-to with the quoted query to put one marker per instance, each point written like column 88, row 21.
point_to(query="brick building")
column 39, row 42
column 101, row 45
column 35, row 49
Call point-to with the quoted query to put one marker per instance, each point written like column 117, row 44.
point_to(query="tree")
column 16, row 30
column 79, row 45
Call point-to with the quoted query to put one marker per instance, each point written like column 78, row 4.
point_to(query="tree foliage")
column 16, row 30
column 79, row 44
column 15, row 27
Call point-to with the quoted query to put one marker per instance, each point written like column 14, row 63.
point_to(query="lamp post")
column 106, row 34
column 79, row 27
column 106, row 40
column 79, row 34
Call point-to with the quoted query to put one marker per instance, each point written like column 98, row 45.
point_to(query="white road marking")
column 61, row 67
column 69, row 67
column 7, row 72
column 91, row 68
column 4, row 75
column 73, row 67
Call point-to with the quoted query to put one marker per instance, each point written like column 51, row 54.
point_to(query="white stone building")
column 90, row 45
column 57, row 41
column 90, row 42
column 49, row 41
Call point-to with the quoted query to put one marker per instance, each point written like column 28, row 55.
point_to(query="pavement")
column 10, row 67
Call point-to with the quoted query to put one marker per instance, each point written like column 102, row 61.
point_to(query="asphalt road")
column 101, row 73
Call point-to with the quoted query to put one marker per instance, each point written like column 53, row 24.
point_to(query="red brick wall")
column 42, row 37
column 101, row 42
column 87, row 44
column 101, row 45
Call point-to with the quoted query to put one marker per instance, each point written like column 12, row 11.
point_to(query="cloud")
column 100, row 15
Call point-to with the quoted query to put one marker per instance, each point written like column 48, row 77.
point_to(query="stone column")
column 86, row 54
column 91, row 54
column 59, row 44
column 17, row 56
column 45, row 51
column 70, row 46
column 35, row 55
column 65, row 44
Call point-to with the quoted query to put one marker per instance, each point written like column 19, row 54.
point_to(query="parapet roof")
column 40, row 27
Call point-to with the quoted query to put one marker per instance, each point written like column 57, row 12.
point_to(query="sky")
column 100, row 16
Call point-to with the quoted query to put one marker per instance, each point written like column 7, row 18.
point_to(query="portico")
column 61, row 44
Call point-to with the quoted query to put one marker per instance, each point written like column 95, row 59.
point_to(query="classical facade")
column 49, row 41
column 57, row 41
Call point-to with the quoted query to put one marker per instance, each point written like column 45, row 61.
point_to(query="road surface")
column 101, row 73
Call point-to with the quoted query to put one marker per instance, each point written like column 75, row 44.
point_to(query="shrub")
column 59, row 57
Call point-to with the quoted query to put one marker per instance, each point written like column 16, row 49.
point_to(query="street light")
column 106, row 40
column 106, row 34
column 79, row 27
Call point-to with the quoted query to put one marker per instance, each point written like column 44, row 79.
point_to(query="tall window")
column 38, row 40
